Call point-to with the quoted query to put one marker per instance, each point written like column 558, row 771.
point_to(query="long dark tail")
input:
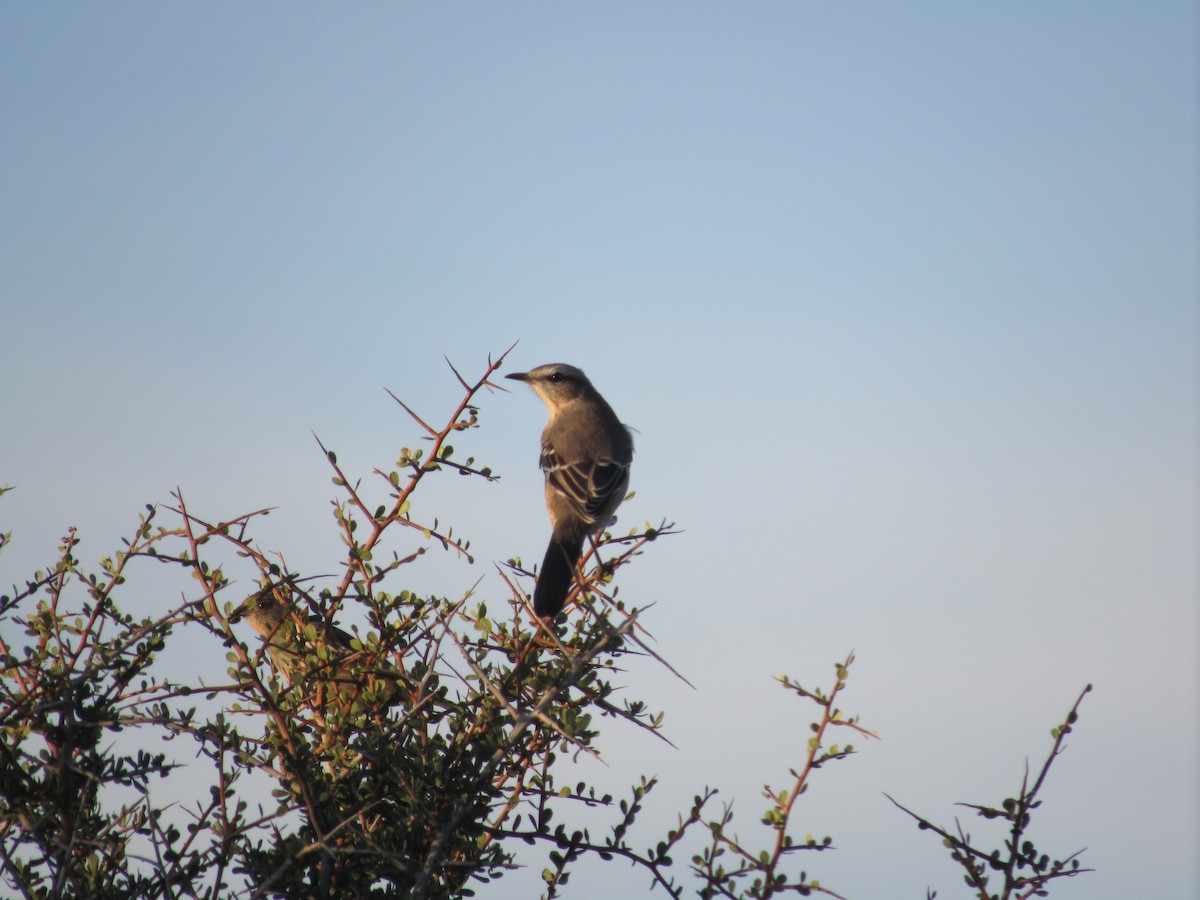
column 558, row 571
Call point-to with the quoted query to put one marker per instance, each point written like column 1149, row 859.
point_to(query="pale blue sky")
column 902, row 299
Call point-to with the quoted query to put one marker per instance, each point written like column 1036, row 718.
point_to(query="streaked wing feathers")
column 591, row 490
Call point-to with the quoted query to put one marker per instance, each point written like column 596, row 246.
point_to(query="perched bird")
column 586, row 453
column 331, row 657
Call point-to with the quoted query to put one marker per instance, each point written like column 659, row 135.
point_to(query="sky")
column 900, row 298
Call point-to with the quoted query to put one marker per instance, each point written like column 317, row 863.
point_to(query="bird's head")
column 556, row 383
column 265, row 611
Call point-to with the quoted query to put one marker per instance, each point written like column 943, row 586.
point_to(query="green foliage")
column 79, row 676
column 1023, row 869
column 415, row 758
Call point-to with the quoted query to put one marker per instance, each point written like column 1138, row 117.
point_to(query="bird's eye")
column 556, row 377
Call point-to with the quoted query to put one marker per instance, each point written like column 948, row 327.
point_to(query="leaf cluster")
column 418, row 754
column 1023, row 870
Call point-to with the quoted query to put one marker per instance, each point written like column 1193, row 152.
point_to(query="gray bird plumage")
column 272, row 613
column 586, row 454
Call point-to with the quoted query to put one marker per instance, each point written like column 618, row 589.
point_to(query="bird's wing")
column 337, row 640
column 590, row 488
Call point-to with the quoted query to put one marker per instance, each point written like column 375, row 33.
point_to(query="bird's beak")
column 244, row 608
column 519, row 376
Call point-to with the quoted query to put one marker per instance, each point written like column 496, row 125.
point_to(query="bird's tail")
column 556, row 575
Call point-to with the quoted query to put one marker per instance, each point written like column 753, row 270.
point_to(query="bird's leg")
column 581, row 580
column 581, row 585
column 596, row 553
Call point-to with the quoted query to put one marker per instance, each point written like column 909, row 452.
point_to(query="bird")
column 332, row 657
column 586, row 454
